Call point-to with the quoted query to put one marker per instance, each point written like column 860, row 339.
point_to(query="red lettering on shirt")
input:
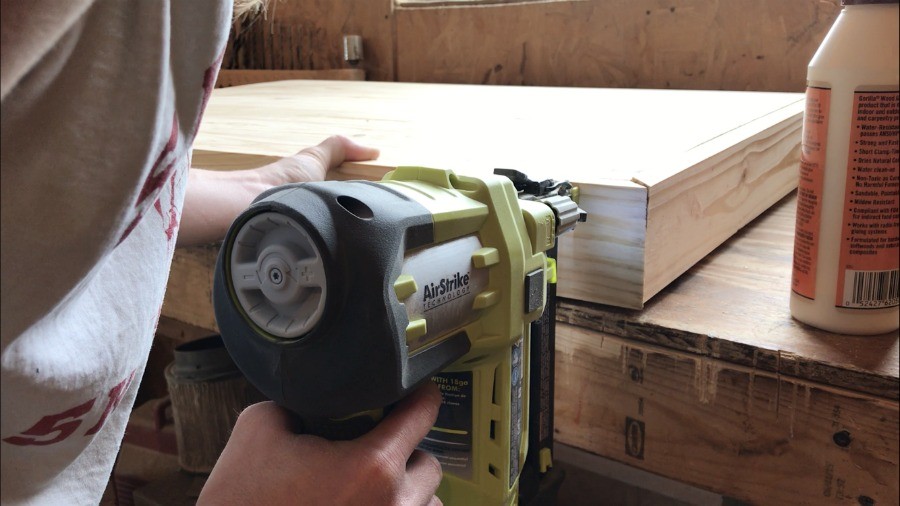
column 65, row 423
column 209, row 82
column 158, row 176
column 115, row 396
column 171, row 226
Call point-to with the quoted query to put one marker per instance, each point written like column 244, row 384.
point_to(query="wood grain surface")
column 675, row 171
column 678, row 44
column 733, row 306
column 747, row 433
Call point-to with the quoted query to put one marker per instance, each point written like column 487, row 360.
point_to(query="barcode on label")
column 872, row 289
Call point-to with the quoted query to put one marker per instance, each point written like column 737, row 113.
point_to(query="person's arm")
column 214, row 198
column 265, row 463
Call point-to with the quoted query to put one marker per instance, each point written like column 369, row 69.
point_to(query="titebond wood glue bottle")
column 847, row 241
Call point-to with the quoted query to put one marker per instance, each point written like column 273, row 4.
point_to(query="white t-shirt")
column 100, row 103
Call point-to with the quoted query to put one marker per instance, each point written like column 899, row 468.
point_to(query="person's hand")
column 214, row 198
column 311, row 164
column 265, row 463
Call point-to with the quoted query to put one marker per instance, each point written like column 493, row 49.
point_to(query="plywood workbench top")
column 665, row 175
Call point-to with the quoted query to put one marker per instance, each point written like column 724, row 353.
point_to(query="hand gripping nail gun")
column 336, row 299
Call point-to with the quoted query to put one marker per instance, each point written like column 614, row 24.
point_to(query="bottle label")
column 809, row 191
column 869, row 268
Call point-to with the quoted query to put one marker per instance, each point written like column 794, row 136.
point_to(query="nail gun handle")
column 342, row 429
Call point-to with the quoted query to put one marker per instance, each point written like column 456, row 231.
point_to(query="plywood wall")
column 700, row 44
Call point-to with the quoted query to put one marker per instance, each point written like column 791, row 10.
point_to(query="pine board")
column 666, row 175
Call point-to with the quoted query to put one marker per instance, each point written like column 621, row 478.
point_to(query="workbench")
column 714, row 384
column 711, row 383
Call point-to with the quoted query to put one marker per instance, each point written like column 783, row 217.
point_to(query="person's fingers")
column 259, row 426
column 265, row 414
column 354, row 152
column 337, row 149
column 410, row 420
column 423, row 475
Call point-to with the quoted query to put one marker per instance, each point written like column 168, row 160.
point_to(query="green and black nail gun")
column 336, row 299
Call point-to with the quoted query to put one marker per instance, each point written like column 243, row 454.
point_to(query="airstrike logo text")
column 449, row 288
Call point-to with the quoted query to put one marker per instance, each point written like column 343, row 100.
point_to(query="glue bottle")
column 846, row 250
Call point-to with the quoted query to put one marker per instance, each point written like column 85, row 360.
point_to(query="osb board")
column 734, row 307
column 755, row 435
column 720, row 157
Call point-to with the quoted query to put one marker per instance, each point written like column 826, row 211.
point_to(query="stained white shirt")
column 100, row 103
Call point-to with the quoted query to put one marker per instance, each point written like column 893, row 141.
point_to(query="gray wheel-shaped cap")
column 278, row 275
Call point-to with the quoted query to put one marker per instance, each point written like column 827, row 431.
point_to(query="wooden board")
column 675, row 171
column 758, row 436
column 682, row 44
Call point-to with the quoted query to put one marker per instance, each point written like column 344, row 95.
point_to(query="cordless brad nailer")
column 336, row 299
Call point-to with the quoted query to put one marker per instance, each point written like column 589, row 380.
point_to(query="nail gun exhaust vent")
column 278, row 275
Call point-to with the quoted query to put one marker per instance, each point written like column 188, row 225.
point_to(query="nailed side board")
column 693, row 210
column 754, row 435
column 626, row 149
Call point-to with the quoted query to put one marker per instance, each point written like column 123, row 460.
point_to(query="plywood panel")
column 627, row 149
column 684, row 44
column 758, row 436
